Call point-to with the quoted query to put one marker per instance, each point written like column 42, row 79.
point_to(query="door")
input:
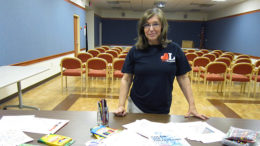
column 76, row 35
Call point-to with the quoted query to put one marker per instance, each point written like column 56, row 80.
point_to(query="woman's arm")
column 123, row 94
column 185, row 86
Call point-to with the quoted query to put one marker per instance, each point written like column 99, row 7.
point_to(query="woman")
column 152, row 65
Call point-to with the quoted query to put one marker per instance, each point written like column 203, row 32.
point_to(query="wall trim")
column 235, row 15
column 44, row 58
column 75, row 4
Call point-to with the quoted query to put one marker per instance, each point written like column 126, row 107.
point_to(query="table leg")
column 20, row 99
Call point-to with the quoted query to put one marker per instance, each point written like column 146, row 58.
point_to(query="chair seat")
column 118, row 74
column 257, row 78
column 239, row 78
column 97, row 73
column 212, row 77
column 195, row 69
column 72, row 72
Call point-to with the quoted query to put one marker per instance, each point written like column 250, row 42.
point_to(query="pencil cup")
column 103, row 117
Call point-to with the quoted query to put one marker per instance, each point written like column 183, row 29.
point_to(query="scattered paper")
column 13, row 137
column 199, row 131
column 30, row 123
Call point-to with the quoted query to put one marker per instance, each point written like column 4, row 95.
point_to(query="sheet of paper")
column 30, row 123
column 199, row 131
column 13, row 137
column 127, row 138
column 46, row 125
column 11, row 122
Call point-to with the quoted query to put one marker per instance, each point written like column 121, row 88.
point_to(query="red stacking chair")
column 97, row 67
column 71, row 66
column 240, row 72
column 215, row 71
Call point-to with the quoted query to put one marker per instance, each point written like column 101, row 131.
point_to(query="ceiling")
column 171, row 5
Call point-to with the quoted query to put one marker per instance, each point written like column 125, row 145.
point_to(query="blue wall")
column 97, row 21
column 185, row 30
column 119, row 31
column 33, row 29
column 124, row 31
column 240, row 34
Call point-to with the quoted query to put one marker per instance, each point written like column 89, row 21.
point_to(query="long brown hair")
column 142, row 41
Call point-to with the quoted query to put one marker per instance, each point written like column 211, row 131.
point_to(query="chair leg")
column 249, row 89
column 106, row 84
column 230, row 87
column 61, row 83
column 254, row 88
column 66, row 81
column 223, row 86
column 112, row 85
column 81, row 83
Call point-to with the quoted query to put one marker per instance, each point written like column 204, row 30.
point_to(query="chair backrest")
column 200, row 61
column 105, row 47
column 242, row 68
column 84, row 57
column 97, row 63
column 118, row 64
column 219, row 51
column 257, row 71
column 122, row 55
column 101, row 50
column 216, row 67
column 112, row 52
column 93, row 52
column 117, row 50
column 243, row 56
column 216, row 54
column 199, row 53
column 191, row 56
column 230, row 53
column 257, row 63
column 245, row 60
column 227, row 56
column 120, row 48
column 204, row 51
column 71, row 63
column 106, row 56
column 225, row 60
column 191, row 50
column 211, row 57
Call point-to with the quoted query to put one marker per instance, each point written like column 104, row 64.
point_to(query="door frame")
column 76, row 34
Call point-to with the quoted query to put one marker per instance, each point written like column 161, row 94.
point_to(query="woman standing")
column 151, row 65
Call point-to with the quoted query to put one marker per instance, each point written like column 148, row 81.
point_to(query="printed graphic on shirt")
column 167, row 57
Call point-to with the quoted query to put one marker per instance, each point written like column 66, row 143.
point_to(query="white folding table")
column 15, row 74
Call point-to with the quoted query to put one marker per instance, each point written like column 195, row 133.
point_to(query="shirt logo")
column 167, row 57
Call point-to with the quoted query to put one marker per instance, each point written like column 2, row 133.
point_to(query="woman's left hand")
column 193, row 112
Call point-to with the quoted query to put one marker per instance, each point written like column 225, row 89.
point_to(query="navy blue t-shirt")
column 154, row 70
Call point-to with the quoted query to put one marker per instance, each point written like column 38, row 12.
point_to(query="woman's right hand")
column 120, row 112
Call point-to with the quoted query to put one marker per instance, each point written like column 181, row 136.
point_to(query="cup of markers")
column 102, row 113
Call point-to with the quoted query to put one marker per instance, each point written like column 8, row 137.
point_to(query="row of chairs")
column 115, row 52
column 224, row 70
column 240, row 72
column 91, row 67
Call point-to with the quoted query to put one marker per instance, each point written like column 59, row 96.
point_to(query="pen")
column 55, row 126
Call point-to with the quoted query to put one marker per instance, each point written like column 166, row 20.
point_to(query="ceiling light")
column 159, row 4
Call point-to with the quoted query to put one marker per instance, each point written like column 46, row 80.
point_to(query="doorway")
column 76, row 35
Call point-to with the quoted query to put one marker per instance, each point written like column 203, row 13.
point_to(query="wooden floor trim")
column 72, row 98
column 225, row 110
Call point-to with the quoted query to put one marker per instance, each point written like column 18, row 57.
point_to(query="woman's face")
column 152, row 30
